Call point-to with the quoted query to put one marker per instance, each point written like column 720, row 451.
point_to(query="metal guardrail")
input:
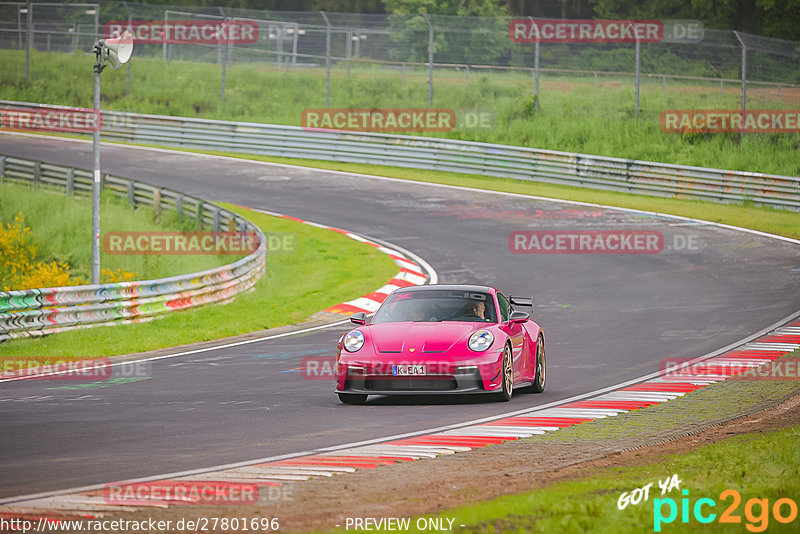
column 36, row 312
column 431, row 153
column 597, row 172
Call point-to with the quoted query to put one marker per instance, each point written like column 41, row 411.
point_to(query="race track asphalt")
column 608, row 318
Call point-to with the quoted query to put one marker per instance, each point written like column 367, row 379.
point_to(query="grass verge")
column 757, row 465
column 320, row 269
column 67, row 237
column 760, row 466
column 575, row 115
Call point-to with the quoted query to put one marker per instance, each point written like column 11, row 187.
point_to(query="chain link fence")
column 427, row 46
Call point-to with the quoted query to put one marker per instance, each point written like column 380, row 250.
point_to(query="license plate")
column 408, row 370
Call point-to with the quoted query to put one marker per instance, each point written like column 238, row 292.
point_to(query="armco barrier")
column 35, row 312
column 598, row 172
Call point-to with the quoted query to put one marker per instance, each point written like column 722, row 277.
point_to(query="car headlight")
column 481, row 340
column 353, row 341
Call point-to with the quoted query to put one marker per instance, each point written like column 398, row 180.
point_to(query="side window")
column 504, row 307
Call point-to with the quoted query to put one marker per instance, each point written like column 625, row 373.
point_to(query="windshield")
column 437, row 305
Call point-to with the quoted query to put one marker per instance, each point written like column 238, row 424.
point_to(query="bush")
column 529, row 106
column 20, row 268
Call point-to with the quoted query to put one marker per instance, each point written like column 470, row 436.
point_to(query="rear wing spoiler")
column 521, row 301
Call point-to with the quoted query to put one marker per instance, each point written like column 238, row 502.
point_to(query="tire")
column 508, row 376
column 352, row 398
column 541, row 367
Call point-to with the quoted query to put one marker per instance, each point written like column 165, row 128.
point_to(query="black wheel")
column 541, row 367
column 508, row 376
column 352, row 398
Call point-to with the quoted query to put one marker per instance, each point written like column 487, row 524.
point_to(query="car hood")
column 425, row 337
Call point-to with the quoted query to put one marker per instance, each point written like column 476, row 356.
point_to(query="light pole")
column 116, row 52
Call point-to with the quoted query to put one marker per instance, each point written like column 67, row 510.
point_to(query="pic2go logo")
column 756, row 511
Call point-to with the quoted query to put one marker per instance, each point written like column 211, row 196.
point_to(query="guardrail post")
column 132, row 194
column 199, row 220
column 70, row 181
column 128, row 64
column 225, row 53
column 638, row 63
column 536, row 73
column 430, row 59
column 744, row 79
column 2, row 167
column 216, row 220
column 327, row 60
column 156, row 203
column 348, row 48
column 179, row 206
column 37, row 173
column 29, row 27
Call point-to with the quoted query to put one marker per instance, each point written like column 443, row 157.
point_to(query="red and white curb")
column 695, row 375
column 411, row 272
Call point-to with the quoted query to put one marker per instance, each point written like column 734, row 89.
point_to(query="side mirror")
column 519, row 317
column 359, row 318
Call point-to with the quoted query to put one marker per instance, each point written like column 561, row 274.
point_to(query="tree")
column 479, row 8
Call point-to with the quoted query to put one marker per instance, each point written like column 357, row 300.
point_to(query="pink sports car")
column 441, row 339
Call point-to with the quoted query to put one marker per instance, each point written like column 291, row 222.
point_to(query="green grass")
column 323, row 268
column 757, row 465
column 67, row 237
column 762, row 466
column 575, row 116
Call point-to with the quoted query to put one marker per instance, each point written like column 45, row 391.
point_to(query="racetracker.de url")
column 149, row 526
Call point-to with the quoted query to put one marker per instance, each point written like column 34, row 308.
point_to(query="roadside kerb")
column 760, row 349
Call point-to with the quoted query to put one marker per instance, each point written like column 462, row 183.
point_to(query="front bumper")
column 465, row 382
column 373, row 376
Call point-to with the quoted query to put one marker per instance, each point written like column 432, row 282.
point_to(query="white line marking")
column 537, row 411
column 520, row 427
column 481, row 431
column 415, row 182
column 425, row 265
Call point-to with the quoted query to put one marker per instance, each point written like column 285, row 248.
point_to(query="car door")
column 516, row 333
